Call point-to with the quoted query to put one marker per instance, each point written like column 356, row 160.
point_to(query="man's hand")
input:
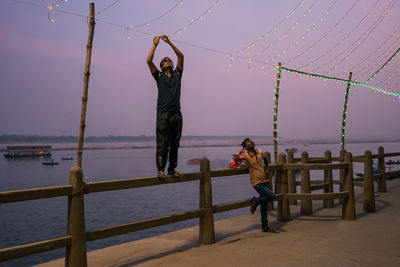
column 165, row 39
column 156, row 40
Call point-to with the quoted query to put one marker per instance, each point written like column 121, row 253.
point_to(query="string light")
column 283, row 36
column 108, row 7
column 387, row 92
column 325, row 35
column 302, row 37
column 196, row 19
column 361, row 64
column 383, row 66
column 346, row 103
column 50, row 8
column 276, row 101
column 312, row 62
column 357, row 42
column 266, row 34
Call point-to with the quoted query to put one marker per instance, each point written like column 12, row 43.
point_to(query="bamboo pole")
column 283, row 205
column 341, row 173
column 381, row 170
column 206, row 222
column 86, row 83
column 346, row 99
column 349, row 208
column 368, row 196
column 306, row 205
column 76, row 253
column 276, row 98
column 291, row 177
column 328, row 178
column 267, row 155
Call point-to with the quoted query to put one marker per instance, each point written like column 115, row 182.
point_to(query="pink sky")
column 42, row 66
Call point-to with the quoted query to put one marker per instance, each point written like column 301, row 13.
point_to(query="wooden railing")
column 284, row 172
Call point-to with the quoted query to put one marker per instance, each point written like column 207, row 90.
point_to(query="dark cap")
column 244, row 141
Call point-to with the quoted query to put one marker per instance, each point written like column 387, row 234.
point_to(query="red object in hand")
column 238, row 160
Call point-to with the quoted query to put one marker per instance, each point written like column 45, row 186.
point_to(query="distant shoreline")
column 149, row 142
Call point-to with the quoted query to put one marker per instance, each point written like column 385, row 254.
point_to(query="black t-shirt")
column 169, row 90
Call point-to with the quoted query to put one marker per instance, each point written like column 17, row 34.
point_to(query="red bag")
column 238, row 161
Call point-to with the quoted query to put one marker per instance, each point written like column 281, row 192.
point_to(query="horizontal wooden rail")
column 358, row 159
column 231, row 205
column 228, row 172
column 144, row 224
column 34, row 248
column 358, row 183
column 392, row 173
column 318, row 160
column 319, row 186
column 93, row 187
column 387, row 155
column 317, row 166
column 35, row 193
column 309, row 196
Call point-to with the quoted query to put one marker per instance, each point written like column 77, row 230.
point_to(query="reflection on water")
column 31, row 221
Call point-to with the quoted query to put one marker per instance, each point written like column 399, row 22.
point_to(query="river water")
column 31, row 221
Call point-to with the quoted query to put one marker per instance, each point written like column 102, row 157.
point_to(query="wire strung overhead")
column 344, row 54
column 302, row 36
column 326, row 34
column 108, row 7
column 264, row 35
column 195, row 19
column 356, row 68
column 312, row 62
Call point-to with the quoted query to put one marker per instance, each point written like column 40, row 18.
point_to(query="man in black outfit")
column 169, row 116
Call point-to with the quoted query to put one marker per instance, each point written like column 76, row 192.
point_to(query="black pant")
column 168, row 131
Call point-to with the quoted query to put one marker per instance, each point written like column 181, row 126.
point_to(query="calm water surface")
column 32, row 221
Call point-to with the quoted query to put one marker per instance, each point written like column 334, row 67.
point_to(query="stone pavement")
column 322, row 239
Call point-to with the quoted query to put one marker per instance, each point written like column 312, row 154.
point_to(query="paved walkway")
column 323, row 239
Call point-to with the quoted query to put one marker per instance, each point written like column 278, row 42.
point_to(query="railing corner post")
column 368, row 196
column 206, row 223
column 328, row 178
column 306, row 204
column 381, row 170
column 349, row 208
column 283, row 205
column 76, row 253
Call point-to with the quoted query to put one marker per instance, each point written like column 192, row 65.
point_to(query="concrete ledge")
column 322, row 239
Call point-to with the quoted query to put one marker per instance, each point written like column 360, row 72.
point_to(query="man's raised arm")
column 176, row 50
column 150, row 57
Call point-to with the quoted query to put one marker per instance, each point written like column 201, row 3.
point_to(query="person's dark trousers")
column 265, row 195
column 168, row 134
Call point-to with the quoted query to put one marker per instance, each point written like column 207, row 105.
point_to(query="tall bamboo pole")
column 346, row 98
column 86, row 83
column 276, row 98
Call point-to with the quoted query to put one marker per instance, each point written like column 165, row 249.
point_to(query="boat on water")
column 28, row 151
column 49, row 161
column 193, row 161
column 293, row 149
column 391, row 162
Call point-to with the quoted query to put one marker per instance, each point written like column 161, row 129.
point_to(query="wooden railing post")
column 369, row 197
column 306, row 205
column 291, row 177
column 76, row 253
column 206, row 223
column 283, row 205
column 381, row 170
column 267, row 155
column 349, row 208
column 341, row 173
column 328, row 203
